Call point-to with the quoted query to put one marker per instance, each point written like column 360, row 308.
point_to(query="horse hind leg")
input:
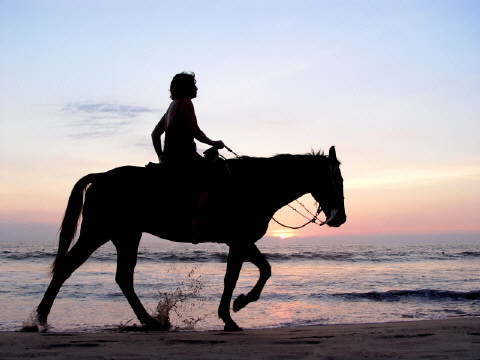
column 75, row 257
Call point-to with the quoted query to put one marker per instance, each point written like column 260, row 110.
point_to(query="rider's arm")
column 189, row 112
column 156, row 136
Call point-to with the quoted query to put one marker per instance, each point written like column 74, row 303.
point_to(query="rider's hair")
column 181, row 85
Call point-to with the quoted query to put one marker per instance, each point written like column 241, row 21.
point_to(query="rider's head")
column 183, row 86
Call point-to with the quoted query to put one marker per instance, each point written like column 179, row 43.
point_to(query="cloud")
column 108, row 110
column 99, row 119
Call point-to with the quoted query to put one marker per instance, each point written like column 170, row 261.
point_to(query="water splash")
column 177, row 310
column 33, row 324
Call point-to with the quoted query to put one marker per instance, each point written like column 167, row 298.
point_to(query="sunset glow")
column 393, row 85
column 282, row 233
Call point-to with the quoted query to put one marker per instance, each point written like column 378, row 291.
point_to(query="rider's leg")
column 200, row 228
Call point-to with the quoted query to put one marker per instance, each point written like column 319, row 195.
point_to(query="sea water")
column 310, row 284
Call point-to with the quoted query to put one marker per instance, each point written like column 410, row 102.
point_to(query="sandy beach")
column 456, row 338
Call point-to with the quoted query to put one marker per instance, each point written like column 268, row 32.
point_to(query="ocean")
column 310, row 285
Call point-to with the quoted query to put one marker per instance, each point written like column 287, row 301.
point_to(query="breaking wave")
column 401, row 295
column 108, row 255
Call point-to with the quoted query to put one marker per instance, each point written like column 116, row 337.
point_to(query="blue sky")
column 393, row 84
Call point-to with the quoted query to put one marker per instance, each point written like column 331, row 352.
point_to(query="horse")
column 121, row 204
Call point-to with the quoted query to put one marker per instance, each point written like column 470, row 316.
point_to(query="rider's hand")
column 218, row 144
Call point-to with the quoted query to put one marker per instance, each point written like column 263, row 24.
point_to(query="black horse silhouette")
column 124, row 202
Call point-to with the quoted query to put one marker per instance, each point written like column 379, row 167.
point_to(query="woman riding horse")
column 121, row 204
column 180, row 153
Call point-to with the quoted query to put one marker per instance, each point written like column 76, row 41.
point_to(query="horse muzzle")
column 336, row 218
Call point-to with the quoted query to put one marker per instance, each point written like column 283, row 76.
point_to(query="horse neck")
column 281, row 179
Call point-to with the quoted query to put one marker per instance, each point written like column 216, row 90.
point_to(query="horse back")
column 146, row 199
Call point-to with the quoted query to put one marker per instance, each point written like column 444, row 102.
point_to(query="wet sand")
column 457, row 338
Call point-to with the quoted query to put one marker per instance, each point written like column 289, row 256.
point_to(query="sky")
column 394, row 85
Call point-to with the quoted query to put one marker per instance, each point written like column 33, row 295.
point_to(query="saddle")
column 205, row 173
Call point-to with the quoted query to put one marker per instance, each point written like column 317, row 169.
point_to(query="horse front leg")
column 234, row 265
column 258, row 259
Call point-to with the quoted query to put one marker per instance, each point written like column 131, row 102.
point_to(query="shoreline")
column 452, row 338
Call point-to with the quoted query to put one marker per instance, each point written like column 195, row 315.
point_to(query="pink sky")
column 394, row 85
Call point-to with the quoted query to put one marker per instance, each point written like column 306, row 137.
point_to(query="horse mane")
column 285, row 156
column 265, row 169
column 317, row 152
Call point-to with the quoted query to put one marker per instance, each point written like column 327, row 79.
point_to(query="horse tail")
column 68, row 229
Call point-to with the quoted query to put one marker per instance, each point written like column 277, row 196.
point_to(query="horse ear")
column 332, row 154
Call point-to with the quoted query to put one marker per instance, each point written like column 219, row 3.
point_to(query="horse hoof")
column 239, row 303
column 232, row 326
column 41, row 322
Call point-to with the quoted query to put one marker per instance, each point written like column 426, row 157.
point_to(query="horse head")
column 328, row 192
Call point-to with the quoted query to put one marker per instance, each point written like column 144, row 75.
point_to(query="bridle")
column 314, row 220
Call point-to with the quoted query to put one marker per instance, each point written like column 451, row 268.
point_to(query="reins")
column 310, row 221
column 314, row 218
column 233, row 152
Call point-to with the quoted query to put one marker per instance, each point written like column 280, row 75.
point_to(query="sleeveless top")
column 179, row 146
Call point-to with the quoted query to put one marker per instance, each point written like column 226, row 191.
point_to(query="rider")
column 181, row 129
